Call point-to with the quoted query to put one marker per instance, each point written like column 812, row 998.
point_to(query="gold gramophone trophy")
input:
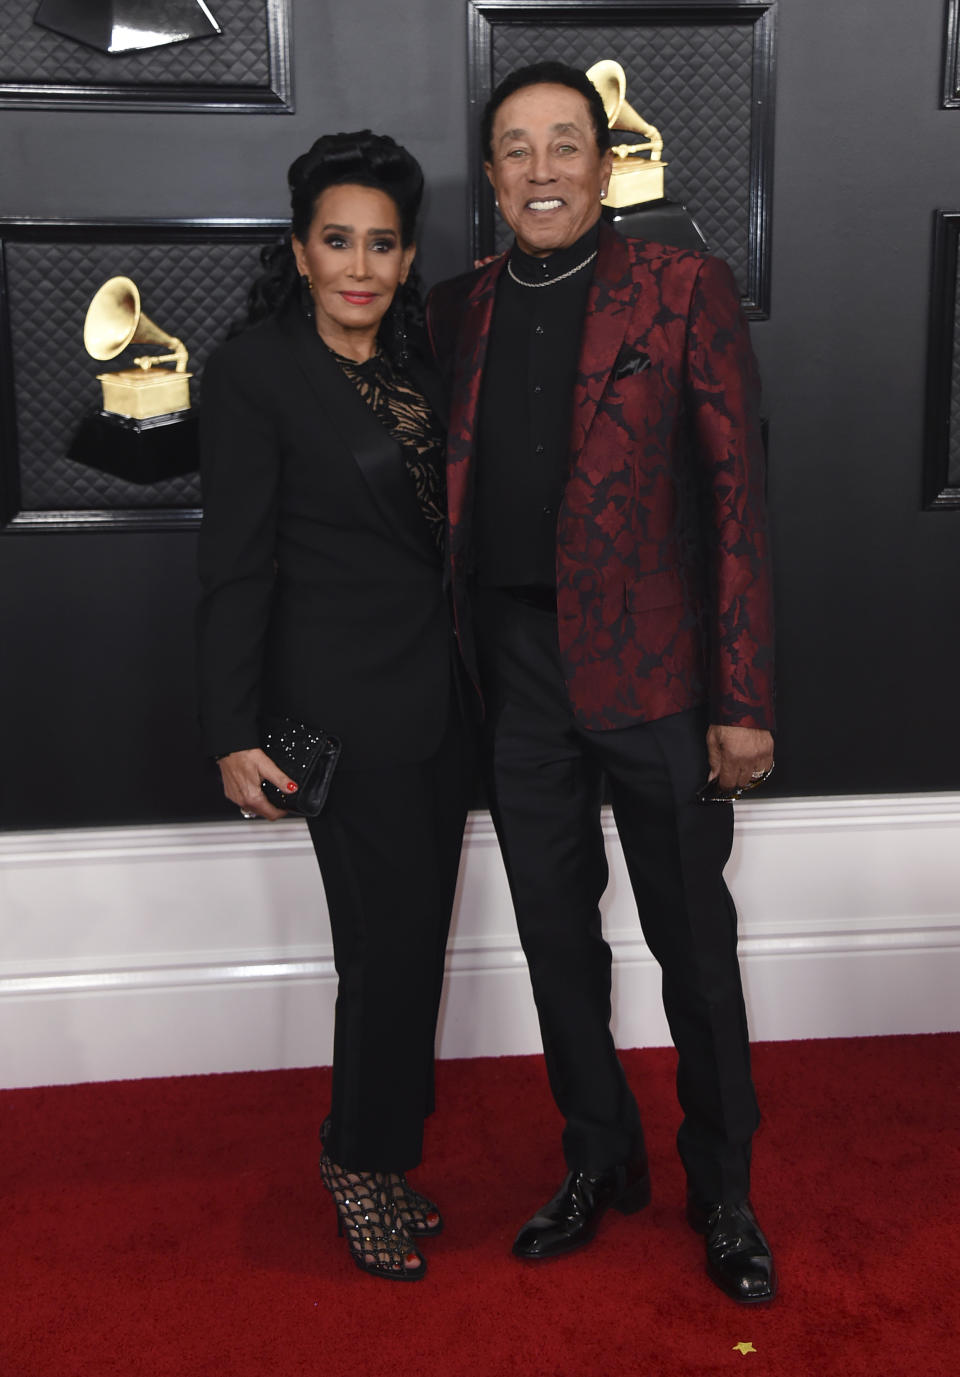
column 635, row 178
column 145, row 429
column 636, row 201
column 114, row 320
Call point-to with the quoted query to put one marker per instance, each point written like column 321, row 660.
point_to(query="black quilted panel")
column 192, row 290
column 694, row 82
column 239, row 56
column 953, row 454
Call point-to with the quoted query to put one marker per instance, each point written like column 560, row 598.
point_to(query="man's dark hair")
column 540, row 74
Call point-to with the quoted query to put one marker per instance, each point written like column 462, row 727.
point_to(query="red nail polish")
column 411, row 1257
column 291, row 787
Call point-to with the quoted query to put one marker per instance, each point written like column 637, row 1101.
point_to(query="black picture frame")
column 951, row 57
column 203, row 89
column 67, row 387
column 941, row 467
column 486, row 16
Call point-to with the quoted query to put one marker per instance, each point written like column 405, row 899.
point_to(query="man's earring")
column 496, row 203
column 603, row 193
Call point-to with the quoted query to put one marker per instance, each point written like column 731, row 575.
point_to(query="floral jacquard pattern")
column 663, row 588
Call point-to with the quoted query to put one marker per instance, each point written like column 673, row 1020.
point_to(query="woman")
column 320, row 565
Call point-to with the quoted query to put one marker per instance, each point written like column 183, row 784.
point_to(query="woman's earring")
column 306, row 300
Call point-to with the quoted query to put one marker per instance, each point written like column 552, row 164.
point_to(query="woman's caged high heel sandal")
column 418, row 1215
column 367, row 1218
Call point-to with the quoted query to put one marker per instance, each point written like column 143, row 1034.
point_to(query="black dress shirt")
column 525, row 409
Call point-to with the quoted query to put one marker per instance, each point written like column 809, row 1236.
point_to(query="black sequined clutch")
column 308, row 756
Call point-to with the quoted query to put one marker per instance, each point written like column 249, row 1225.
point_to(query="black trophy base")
column 139, row 451
column 663, row 221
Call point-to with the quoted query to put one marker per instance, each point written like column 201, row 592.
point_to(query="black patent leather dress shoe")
column 739, row 1259
column 570, row 1219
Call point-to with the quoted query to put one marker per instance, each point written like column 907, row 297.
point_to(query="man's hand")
column 738, row 754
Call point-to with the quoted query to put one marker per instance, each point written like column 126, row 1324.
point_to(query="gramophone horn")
column 611, row 81
column 115, row 319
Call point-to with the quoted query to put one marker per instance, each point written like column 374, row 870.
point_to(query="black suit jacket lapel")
column 377, row 454
column 427, row 380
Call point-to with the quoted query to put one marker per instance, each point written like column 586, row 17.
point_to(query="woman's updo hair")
column 358, row 159
column 361, row 159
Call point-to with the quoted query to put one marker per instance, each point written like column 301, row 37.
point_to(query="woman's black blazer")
column 321, row 583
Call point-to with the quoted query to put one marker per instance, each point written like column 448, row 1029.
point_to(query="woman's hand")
column 242, row 773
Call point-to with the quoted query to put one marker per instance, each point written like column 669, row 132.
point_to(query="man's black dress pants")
column 545, row 773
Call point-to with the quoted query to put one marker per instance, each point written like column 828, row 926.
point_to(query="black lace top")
column 407, row 415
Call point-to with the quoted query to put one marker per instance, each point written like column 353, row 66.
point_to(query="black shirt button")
column 539, row 449
column 548, row 511
column 538, row 389
column 538, row 329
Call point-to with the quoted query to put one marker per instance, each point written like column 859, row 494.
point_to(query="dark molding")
column 276, row 97
column 13, row 519
column 951, row 57
column 485, row 15
column 941, row 477
column 142, row 230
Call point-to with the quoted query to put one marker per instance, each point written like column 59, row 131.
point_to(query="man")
column 606, row 524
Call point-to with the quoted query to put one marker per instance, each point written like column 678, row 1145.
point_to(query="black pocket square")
column 630, row 361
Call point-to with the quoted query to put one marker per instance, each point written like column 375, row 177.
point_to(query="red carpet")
column 175, row 1227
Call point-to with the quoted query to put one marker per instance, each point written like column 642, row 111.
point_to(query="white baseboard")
column 174, row 950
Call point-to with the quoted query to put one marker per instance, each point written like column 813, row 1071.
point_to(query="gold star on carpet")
column 744, row 1347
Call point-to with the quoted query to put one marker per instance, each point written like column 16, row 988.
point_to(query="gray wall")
column 96, row 628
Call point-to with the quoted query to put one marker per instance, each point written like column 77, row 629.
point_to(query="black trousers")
column 388, row 844
column 545, row 775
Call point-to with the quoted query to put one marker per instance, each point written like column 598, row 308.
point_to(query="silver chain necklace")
column 569, row 273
